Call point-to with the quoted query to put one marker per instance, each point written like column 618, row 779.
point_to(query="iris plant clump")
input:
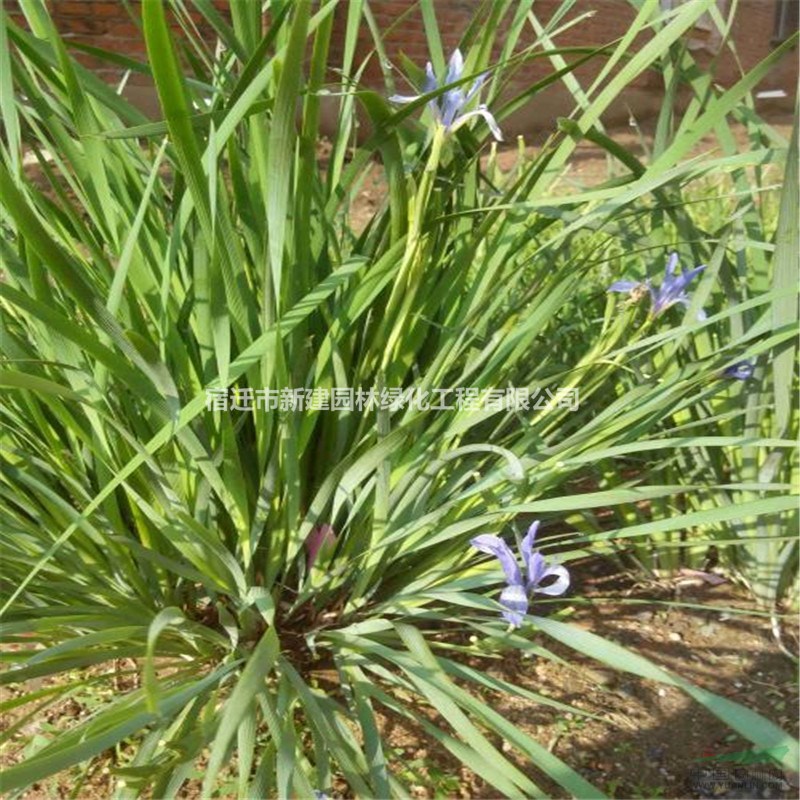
column 279, row 581
column 671, row 292
column 448, row 108
column 515, row 597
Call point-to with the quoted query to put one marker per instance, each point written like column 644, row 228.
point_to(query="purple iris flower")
column 447, row 108
column 740, row 371
column 672, row 290
column 515, row 596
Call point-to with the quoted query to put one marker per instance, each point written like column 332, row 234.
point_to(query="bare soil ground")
column 646, row 737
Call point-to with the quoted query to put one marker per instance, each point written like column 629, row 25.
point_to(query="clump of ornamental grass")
column 244, row 444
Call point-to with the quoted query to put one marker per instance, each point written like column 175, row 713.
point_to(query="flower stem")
column 407, row 282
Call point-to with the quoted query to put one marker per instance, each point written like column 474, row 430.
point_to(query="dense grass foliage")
column 237, row 552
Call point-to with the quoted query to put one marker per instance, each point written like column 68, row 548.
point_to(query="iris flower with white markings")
column 740, row 371
column 520, row 586
column 448, row 108
column 671, row 292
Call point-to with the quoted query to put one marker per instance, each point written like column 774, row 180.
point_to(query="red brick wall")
column 107, row 24
column 752, row 33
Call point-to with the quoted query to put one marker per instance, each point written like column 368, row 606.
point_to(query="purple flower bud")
column 320, row 536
